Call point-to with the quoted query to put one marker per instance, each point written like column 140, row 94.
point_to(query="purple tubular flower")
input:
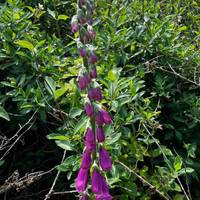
column 90, row 141
column 93, row 73
column 82, row 83
column 100, row 134
column 83, row 52
column 88, row 79
column 106, row 117
column 90, row 137
column 99, row 119
column 81, row 180
column 89, row 109
column 86, row 160
column 104, row 159
column 95, row 94
column 90, row 147
column 97, row 182
column 92, row 58
column 74, row 27
column 103, row 197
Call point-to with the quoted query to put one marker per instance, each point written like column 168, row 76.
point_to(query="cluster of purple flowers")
column 95, row 158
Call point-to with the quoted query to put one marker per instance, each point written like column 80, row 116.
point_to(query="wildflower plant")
column 95, row 158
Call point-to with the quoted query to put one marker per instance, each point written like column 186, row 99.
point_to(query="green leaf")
column 186, row 170
column 50, row 85
column 69, row 163
column 177, row 163
column 56, row 136
column 58, row 93
column 4, row 114
column 25, row 44
column 63, row 17
column 179, row 197
column 112, row 75
column 74, row 112
column 81, row 125
column 113, row 138
column 52, row 13
column 66, row 145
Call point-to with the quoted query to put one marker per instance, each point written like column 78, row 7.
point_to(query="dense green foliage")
column 149, row 69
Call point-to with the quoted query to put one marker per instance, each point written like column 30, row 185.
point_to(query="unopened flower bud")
column 88, row 79
column 74, row 24
column 83, row 52
column 92, row 58
column 90, row 141
column 82, row 82
column 99, row 119
column 94, row 94
column 100, row 134
column 106, row 117
column 93, row 73
column 74, row 27
column 89, row 110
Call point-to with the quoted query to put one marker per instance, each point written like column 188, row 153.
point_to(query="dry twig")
column 55, row 180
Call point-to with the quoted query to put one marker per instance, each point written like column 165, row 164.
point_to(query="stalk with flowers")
column 95, row 158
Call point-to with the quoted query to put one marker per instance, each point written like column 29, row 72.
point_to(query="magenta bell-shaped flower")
column 106, row 117
column 83, row 52
column 100, row 134
column 86, row 160
column 104, row 160
column 89, row 109
column 90, row 141
column 97, row 182
column 92, row 58
column 99, row 186
column 88, row 79
column 83, row 81
column 95, row 94
column 93, row 73
column 81, row 180
column 90, row 137
column 103, row 197
column 99, row 119
column 105, row 192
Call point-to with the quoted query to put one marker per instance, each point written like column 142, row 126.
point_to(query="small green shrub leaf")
column 25, row 44
column 4, row 114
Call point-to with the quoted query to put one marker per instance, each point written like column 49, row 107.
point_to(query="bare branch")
column 55, row 180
